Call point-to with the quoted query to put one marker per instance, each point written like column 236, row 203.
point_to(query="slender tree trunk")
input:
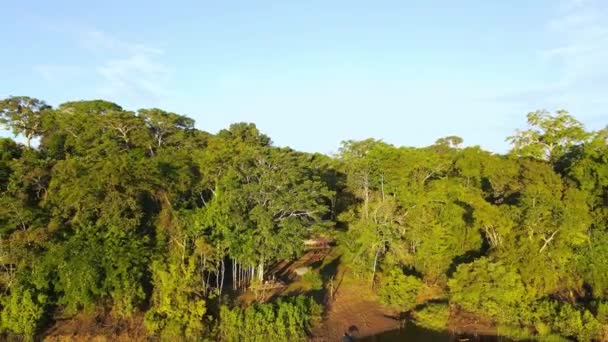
column 217, row 275
column 366, row 194
column 207, row 282
column 252, row 270
column 234, row 274
column 184, row 250
column 222, row 276
column 375, row 265
column 547, row 241
column 382, row 186
column 203, row 273
column 261, row 271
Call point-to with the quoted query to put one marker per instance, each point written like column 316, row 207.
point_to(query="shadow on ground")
column 415, row 333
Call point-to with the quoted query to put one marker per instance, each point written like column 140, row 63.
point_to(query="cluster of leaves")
column 434, row 316
column 312, row 280
column 140, row 212
column 399, row 290
column 498, row 236
column 288, row 320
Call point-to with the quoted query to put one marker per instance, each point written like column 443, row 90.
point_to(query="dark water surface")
column 415, row 333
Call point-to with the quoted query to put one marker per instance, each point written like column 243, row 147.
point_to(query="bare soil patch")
column 354, row 309
column 97, row 327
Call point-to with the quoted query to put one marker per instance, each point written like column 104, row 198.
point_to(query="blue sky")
column 312, row 73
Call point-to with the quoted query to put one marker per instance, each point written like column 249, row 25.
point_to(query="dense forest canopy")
column 141, row 213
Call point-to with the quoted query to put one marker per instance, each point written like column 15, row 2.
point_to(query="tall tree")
column 23, row 115
column 550, row 136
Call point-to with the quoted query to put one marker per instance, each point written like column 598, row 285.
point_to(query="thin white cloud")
column 573, row 54
column 59, row 73
column 120, row 71
column 573, row 4
column 100, row 41
column 579, row 40
column 137, row 75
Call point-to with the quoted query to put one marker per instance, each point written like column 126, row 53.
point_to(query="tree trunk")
column 217, row 275
column 366, row 194
column 240, row 275
column 261, row 271
column 250, row 275
column 234, row 274
column 375, row 265
column 207, row 283
column 382, row 186
column 204, row 261
column 222, row 276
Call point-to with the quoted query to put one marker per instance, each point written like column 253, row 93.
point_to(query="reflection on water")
column 415, row 333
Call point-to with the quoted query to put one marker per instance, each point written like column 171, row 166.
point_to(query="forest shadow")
column 412, row 332
column 330, row 270
column 501, row 198
column 329, row 277
column 420, row 307
column 412, row 271
column 327, row 272
column 467, row 257
column 409, row 333
column 467, row 216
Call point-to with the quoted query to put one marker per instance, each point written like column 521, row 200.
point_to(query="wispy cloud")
column 575, row 50
column 579, row 38
column 121, row 71
column 135, row 71
column 59, row 73
column 97, row 40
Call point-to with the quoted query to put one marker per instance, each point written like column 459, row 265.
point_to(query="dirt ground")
column 97, row 327
column 351, row 306
column 354, row 309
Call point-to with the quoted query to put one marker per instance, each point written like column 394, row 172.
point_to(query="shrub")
column 570, row 321
column 490, row 290
column 22, row 312
column 399, row 290
column 288, row 320
column 551, row 317
column 433, row 316
column 312, row 280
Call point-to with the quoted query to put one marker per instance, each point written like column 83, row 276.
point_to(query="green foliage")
column 177, row 307
column 576, row 323
column 23, row 115
column 9, row 150
column 553, row 136
column 134, row 211
column 288, row 320
column 602, row 312
column 566, row 320
column 312, row 280
column 23, row 311
column 399, row 290
column 593, row 264
column 489, row 289
column 433, row 316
